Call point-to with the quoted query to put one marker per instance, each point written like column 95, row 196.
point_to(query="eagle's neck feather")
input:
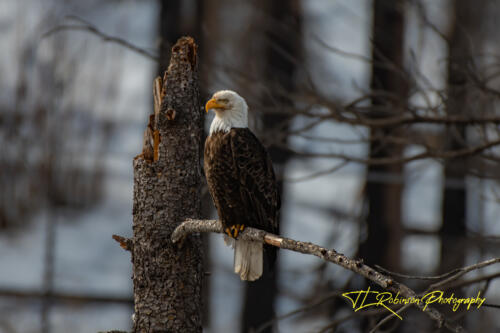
column 228, row 120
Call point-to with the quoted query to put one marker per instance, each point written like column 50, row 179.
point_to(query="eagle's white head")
column 231, row 110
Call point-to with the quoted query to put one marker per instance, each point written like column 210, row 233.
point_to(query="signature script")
column 362, row 299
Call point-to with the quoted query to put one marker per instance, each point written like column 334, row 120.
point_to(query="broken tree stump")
column 167, row 181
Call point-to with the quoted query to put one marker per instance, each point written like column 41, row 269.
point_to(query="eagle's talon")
column 236, row 229
column 228, row 232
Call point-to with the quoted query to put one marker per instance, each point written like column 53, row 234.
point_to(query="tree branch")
column 252, row 234
column 126, row 243
column 417, row 277
column 355, row 265
column 435, row 154
column 61, row 297
column 88, row 27
column 388, row 317
column 462, row 271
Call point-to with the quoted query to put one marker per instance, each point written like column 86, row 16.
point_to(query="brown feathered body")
column 242, row 184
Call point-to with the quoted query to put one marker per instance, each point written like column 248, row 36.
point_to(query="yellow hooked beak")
column 212, row 104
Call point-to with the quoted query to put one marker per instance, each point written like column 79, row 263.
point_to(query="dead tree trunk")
column 167, row 279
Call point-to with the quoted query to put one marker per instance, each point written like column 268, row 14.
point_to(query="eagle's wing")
column 258, row 186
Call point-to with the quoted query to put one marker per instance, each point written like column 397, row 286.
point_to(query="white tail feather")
column 248, row 259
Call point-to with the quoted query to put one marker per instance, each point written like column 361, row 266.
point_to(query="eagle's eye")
column 223, row 100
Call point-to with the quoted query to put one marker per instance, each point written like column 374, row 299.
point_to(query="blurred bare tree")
column 389, row 84
column 47, row 158
column 465, row 37
column 53, row 141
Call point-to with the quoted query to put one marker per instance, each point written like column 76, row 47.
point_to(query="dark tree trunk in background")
column 172, row 25
column 465, row 41
column 454, row 193
column 282, row 51
column 168, row 279
column 169, row 30
column 384, row 184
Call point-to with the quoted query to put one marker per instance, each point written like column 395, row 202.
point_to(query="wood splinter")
column 125, row 243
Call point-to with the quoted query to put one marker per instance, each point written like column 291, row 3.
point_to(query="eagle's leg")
column 235, row 229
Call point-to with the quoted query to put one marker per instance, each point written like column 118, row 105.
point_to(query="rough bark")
column 173, row 22
column 168, row 278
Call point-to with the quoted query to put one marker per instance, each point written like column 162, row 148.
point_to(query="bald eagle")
column 241, row 181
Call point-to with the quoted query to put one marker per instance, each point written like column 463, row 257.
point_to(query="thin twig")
column 322, row 300
column 417, row 277
column 464, row 283
column 462, row 271
column 316, row 174
column 389, row 317
column 64, row 297
column 88, row 27
column 365, row 313
column 451, row 154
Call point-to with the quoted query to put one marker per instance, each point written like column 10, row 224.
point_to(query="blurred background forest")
column 382, row 118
